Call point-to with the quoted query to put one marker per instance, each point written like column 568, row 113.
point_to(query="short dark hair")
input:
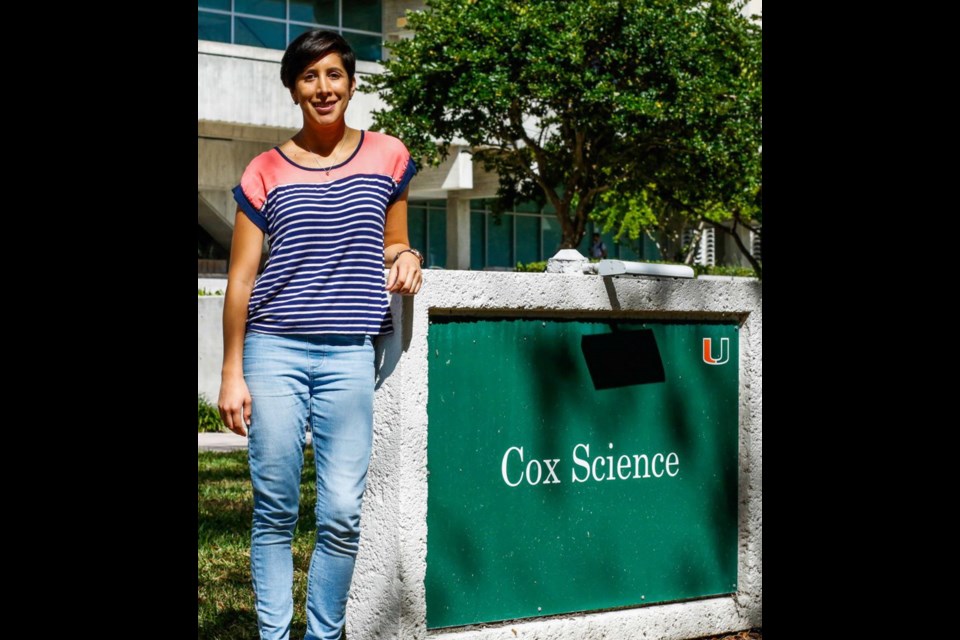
column 312, row 45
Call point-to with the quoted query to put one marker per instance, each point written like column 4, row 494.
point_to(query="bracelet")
column 413, row 251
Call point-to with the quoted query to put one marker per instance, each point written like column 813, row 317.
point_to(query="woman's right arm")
column 235, row 401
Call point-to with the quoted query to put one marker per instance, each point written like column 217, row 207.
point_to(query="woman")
column 298, row 350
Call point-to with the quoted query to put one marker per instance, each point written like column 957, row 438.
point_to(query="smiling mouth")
column 326, row 107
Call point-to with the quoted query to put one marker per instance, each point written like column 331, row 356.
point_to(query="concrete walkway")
column 228, row 441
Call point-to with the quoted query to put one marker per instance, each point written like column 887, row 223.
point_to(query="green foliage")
column 698, row 269
column 724, row 270
column 643, row 113
column 206, row 292
column 208, row 417
column 533, row 267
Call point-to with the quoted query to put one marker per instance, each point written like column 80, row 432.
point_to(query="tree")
column 644, row 112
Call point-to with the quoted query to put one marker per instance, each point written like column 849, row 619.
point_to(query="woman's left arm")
column 405, row 276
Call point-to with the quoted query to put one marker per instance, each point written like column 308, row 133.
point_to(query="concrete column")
column 458, row 233
column 566, row 261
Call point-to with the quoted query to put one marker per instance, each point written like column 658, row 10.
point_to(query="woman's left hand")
column 405, row 275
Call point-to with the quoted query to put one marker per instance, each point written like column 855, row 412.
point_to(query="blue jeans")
column 325, row 382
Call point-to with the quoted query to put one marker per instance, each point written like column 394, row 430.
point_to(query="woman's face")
column 323, row 90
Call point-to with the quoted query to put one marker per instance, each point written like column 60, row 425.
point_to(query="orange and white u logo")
column 708, row 351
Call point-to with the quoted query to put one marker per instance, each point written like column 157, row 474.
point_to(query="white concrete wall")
column 209, row 341
column 387, row 600
column 237, row 83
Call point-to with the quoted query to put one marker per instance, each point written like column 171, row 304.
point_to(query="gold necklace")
column 336, row 154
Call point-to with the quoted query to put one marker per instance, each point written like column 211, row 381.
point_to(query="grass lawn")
column 225, row 608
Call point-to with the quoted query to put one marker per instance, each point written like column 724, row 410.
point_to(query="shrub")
column 208, row 417
column 533, row 266
column 724, row 270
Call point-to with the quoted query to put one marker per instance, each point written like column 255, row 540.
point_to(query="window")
column 478, row 238
column 273, row 24
column 427, row 227
column 500, row 249
column 643, row 248
column 525, row 235
column 528, row 235
column 551, row 234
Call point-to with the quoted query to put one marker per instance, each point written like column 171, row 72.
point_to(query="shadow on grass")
column 222, row 517
column 229, row 625
column 232, row 473
column 239, row 625
column 225, row 602
column 222, row 466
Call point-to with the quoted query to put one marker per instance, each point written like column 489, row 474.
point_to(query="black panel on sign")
column 622, row 358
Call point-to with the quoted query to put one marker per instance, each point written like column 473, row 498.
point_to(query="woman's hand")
column 235, row 404
column 405, row 276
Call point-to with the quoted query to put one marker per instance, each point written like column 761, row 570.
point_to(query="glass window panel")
column 319, row 11
column 528, row 238
column 266, row 8
column 550, row 232
column 476, row 240
column 297, row 29
column 212, row 26
column 500, row 241
column 627, row 249
column 650, row 251
column 527, row 207
column 223, row 5
column 363, row 15
column 416, row 226
column 438, row 238
column 584, row 246
column 365, row 47
column 260, row 33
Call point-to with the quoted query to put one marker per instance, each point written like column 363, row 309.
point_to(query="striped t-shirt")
column 325, row 270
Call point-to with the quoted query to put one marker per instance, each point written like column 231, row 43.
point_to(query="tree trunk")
column 571, row 235
column 743, row 249
column 571, row 240
column 694, row 241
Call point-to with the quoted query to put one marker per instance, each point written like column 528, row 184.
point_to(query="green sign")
column 578, row 465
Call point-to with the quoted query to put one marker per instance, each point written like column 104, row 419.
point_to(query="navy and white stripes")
column 325, row 273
